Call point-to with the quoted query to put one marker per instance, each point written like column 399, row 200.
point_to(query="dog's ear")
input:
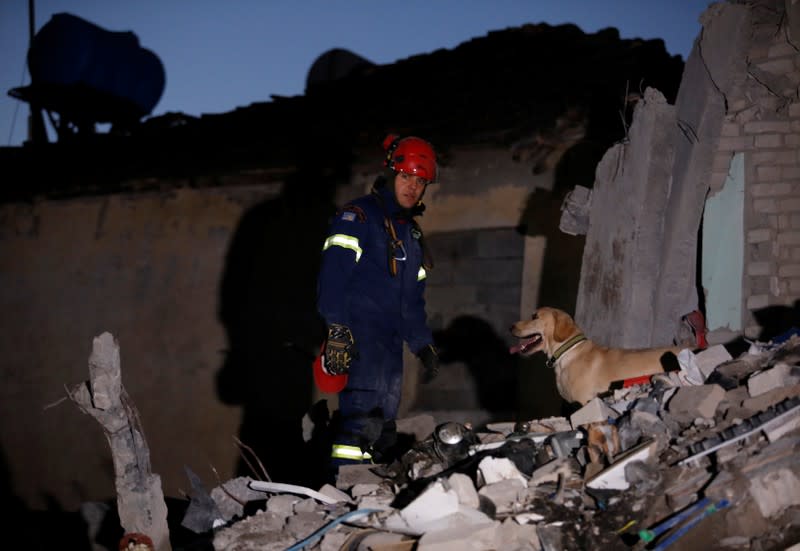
column 563, row 326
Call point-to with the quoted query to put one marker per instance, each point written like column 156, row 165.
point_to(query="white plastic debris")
column 613, row 478
column 280, row 488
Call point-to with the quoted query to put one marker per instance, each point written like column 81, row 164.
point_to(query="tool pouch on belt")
column 339, row 349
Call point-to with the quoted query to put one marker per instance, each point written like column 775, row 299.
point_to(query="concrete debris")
column 493, row 470
column 140, row 498
column 691, row 402
column 645, row 466
column 575, row 211
column 595, row 411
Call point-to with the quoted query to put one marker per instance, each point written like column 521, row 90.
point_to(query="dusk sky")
column 220, row 55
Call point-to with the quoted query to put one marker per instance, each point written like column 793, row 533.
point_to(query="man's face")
column 408, row 189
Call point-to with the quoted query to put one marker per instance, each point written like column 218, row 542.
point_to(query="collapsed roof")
column 494, row 90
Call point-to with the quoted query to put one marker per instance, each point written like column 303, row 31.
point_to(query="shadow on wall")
column 268, row 308
column 473, row 341
column 561, row 265
column 776, row 321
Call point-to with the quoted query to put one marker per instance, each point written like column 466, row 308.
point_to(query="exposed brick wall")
column 763, row 122
column 473, row 295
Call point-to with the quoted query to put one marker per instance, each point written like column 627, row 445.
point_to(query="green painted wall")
column 723, row 251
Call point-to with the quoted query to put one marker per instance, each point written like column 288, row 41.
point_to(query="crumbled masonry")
column 673, row 462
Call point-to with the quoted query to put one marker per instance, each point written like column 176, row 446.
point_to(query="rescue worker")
column 371, row 295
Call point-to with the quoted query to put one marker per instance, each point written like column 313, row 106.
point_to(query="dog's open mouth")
column 527, row 345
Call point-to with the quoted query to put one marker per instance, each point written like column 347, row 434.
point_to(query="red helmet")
column 411, row 155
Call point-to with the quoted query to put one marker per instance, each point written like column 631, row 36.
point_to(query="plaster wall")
column 149, row 267
column 479, row 187
column 146, row 269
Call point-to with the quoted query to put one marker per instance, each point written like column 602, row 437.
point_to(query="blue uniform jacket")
column 355, row 286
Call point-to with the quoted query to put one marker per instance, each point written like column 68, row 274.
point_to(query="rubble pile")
column 705, row 457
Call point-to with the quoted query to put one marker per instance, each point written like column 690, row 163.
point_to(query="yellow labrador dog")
column 584, row 369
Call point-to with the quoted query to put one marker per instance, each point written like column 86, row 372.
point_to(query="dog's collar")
column 564, row 348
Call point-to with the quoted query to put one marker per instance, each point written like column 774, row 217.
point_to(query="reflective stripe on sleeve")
column 345, row 241
column 421, row 274
column 342, row 451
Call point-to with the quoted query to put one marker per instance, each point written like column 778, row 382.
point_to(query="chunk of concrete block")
column 575, row 211
column 359, row 490
column 282, row 504
column 334, row 540
column 418, row 525
column 459, row 532
column 775, row 491
column 707, row 360
column 595, row 411
column 334, row 493
column 432, row 504
column 780, row 375
column 690, row 402
column 301, row 525
column 381, row 502
column 495, row 469
column 269, row 527
column 436, row 501
column 774, row 396
column 520, row 537
column 350, row 475
column 505, row 494
column 463, row 486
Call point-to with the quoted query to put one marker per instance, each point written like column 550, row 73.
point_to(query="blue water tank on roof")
column 70, row 54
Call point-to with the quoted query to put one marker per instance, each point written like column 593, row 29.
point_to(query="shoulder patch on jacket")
column 352, row 213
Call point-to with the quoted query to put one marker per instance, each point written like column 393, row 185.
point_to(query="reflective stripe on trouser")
column 354, row 453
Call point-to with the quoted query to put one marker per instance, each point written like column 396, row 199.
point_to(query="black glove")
column 430, row 363
column 340, row 349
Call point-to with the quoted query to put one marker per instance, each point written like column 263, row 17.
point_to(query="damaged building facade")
column 721, row 168
column 169, row 248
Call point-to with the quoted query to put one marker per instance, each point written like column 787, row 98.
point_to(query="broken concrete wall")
column 762, row 123
column 652, row 279
column 714, row 65
column 621, row 259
